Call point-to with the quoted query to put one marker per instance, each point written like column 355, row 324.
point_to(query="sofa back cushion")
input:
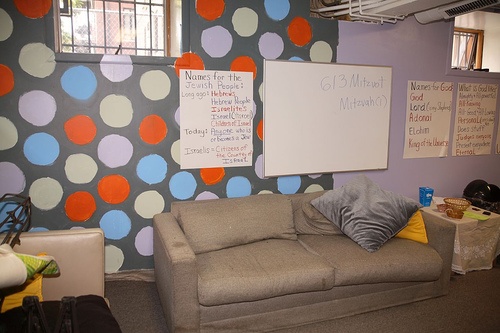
column 211, row 225
column 308, row 220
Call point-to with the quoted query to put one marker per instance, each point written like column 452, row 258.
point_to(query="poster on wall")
column 474, row 119
column 497, row 148
column 216, row 119
column 428, row 115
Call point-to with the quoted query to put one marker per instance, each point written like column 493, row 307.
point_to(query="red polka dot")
column 244, row 64
column 299, row 31
column 113, row 189
column 153, row 129
column 212, row 176
column 188, row 61
column 210, row 9
column 80, row 129
column 6, row 80
column 33, row 8
column 80, row 206
column 260, row 130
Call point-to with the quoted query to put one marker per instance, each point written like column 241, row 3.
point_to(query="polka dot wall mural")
column 6, row 25
column 37, row 60
column 116, row 110
column 33, row 8
column 155, row 85
column 12, row 178
column 80, row 168
column 37, row 107
column 216, row 41
column 80, row 129
column 245, row 21
column 6, row 80
column 115, row 150
column 41, row 149
column 152, row 169
column 79, row 82
column 97, row 144
column 271, row 45
column 80, row 206
column 153, row 129
column 46, row 193
column 8, row 134
column 116, row 67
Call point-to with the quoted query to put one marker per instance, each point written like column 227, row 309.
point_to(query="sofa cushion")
column 260, row 270
column 307, row 219
column 318, row 221
column 366, row 213
column 399, row 260
column 217, row 224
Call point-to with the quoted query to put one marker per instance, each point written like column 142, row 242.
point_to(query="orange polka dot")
column 6, row 80
column 33, row 8
column 212, row 176
column 299, row 31
column 113, row 189
column 210, row 9
column 153, row 129
column 189, row 61
column 244, row 64
column 80, row 206
column 80, row 129
column 260, row 130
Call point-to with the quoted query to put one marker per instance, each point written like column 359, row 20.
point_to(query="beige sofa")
column 80, row 256
column 256, row 264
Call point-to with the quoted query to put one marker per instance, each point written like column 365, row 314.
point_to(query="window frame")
column 51, row 24
column 478, row 52
column 449, row 71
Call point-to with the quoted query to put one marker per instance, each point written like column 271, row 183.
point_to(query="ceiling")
column 480, row 20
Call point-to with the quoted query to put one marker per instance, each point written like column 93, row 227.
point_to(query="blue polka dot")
column 115, row 224
column 238, row 187
column 38, row 229
column 289, row 184
column 5, row 208
column 41, row 149
column 9, row 206
column 79, row 82
column 182, row 185
column 152, row 169
column 277, row 9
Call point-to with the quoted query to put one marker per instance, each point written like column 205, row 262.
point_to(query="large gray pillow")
column 369, row 215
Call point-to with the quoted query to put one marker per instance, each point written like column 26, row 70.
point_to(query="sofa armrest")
column 80, row 256
column 175, row 274
column 441, row 235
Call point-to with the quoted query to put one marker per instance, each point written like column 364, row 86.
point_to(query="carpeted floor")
column 472, row 306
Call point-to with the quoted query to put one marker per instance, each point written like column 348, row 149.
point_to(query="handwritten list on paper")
column 474, row 119
column 497, row 149
column 428, row 115
column 216, row 119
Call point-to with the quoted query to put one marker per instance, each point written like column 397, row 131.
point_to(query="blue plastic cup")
column 425, row 195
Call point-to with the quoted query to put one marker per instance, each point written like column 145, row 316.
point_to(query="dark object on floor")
column 82, row 314
column 483, row 195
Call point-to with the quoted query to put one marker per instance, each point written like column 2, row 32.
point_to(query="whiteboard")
column 325, row 117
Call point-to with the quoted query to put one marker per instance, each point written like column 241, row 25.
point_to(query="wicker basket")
column 457, row 204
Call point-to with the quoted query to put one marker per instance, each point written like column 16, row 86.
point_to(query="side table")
column 477, row 243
